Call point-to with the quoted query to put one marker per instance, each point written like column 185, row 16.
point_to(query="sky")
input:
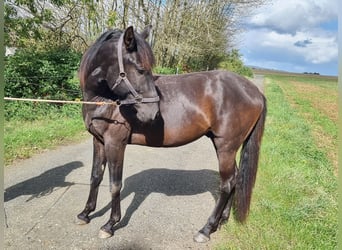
column 292, row 35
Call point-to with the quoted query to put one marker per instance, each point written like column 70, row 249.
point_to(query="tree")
column 47, row 23
column 198, row 33
column 190, row 33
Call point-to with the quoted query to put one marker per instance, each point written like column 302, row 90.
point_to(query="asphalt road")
column 167, row 196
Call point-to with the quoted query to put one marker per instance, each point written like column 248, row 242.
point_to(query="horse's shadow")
column 165, row 181
column 43, row 184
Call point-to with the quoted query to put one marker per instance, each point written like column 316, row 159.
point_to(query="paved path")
column 167, row 196
column 259, row 82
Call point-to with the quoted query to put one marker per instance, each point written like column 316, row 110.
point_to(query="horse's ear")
column 146, row 32
column 129, row 39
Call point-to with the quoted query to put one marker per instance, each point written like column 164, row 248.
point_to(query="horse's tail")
column 248, row 168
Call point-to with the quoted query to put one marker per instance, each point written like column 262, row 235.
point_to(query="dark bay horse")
column 168, row 111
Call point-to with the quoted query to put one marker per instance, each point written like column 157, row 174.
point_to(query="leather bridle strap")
column 123, row 78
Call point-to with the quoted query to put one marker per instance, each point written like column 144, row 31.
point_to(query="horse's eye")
column 140, row 70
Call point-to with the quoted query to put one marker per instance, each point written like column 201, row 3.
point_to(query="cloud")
column 303, row 43
column 296, row 35
column 292, row 15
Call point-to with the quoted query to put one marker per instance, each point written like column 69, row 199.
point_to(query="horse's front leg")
column 99, row 163
column 115, row 155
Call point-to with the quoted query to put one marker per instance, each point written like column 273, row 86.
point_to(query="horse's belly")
column 169, row 137
column 181, row 122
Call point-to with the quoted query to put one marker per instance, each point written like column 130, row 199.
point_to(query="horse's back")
column 218, row 84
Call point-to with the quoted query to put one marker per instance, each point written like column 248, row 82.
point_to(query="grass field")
column 294, row 203
column 316, row 101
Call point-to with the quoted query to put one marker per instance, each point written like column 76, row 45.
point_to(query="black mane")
column 87, row 63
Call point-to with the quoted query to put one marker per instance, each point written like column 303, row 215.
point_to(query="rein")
column 123, row 78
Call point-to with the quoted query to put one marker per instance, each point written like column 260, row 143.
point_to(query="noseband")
column 137, row 98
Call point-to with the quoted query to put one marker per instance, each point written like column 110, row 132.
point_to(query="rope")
column 58, row 101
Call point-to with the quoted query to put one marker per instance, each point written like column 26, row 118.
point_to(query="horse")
column 167, row 111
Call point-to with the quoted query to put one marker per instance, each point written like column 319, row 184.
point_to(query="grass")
column 24, row 138
column 316, row 100
column 294, row 203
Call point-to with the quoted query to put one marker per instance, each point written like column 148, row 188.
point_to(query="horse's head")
column 121, row 62
column 135, row 85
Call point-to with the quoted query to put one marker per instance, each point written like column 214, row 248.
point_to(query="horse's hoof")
column 81, row 220
column 104, row 234
column 201, row 238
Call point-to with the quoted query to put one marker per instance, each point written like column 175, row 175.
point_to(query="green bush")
column 232, row 62
column 165, row 70
column 40, row 75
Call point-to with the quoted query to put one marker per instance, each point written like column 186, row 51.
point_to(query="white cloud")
column 320, row 49
column 293, row 15
column 290, row 34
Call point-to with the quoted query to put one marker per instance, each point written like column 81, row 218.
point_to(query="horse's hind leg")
column 99, row 163
column 228, row 172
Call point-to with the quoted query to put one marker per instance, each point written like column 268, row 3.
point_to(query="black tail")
column 248, row 168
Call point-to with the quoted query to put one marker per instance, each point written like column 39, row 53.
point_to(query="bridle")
column 137, row 98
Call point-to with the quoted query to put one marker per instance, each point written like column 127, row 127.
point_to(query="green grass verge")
column 304, row 101
column 24, row 138
column 294, row 203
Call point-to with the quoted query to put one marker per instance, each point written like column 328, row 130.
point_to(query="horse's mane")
column 144, row 52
